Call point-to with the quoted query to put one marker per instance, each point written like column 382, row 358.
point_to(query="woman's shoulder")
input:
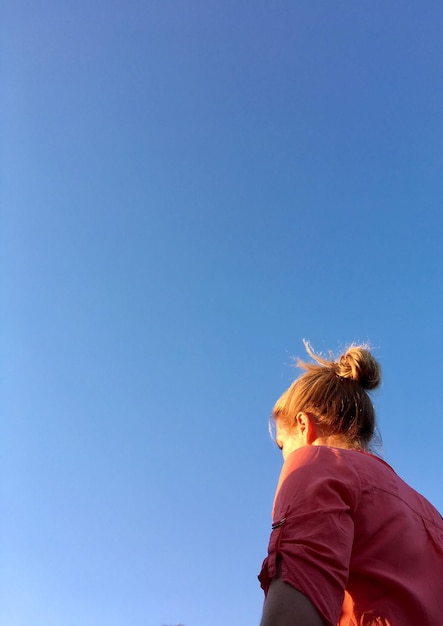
column 329, row 455
column 317, row 476
column 318, row 463
column 335, row 456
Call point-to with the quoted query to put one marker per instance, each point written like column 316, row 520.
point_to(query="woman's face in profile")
column 288, row 440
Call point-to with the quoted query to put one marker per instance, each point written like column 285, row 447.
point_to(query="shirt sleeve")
column 313, row 530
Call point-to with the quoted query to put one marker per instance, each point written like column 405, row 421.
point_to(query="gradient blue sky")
column 188, row 189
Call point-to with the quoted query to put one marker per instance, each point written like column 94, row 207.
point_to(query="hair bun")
column 358, row 364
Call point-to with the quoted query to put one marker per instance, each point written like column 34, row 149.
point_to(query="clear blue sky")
column 188, row 189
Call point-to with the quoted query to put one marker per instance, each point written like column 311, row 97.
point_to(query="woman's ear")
column 307, row 427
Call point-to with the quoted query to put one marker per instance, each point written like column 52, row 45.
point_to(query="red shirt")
column 362, row 545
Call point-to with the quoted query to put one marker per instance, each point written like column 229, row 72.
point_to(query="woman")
column 351, row 543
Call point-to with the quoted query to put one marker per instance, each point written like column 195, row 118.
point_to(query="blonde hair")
column 334, row 394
